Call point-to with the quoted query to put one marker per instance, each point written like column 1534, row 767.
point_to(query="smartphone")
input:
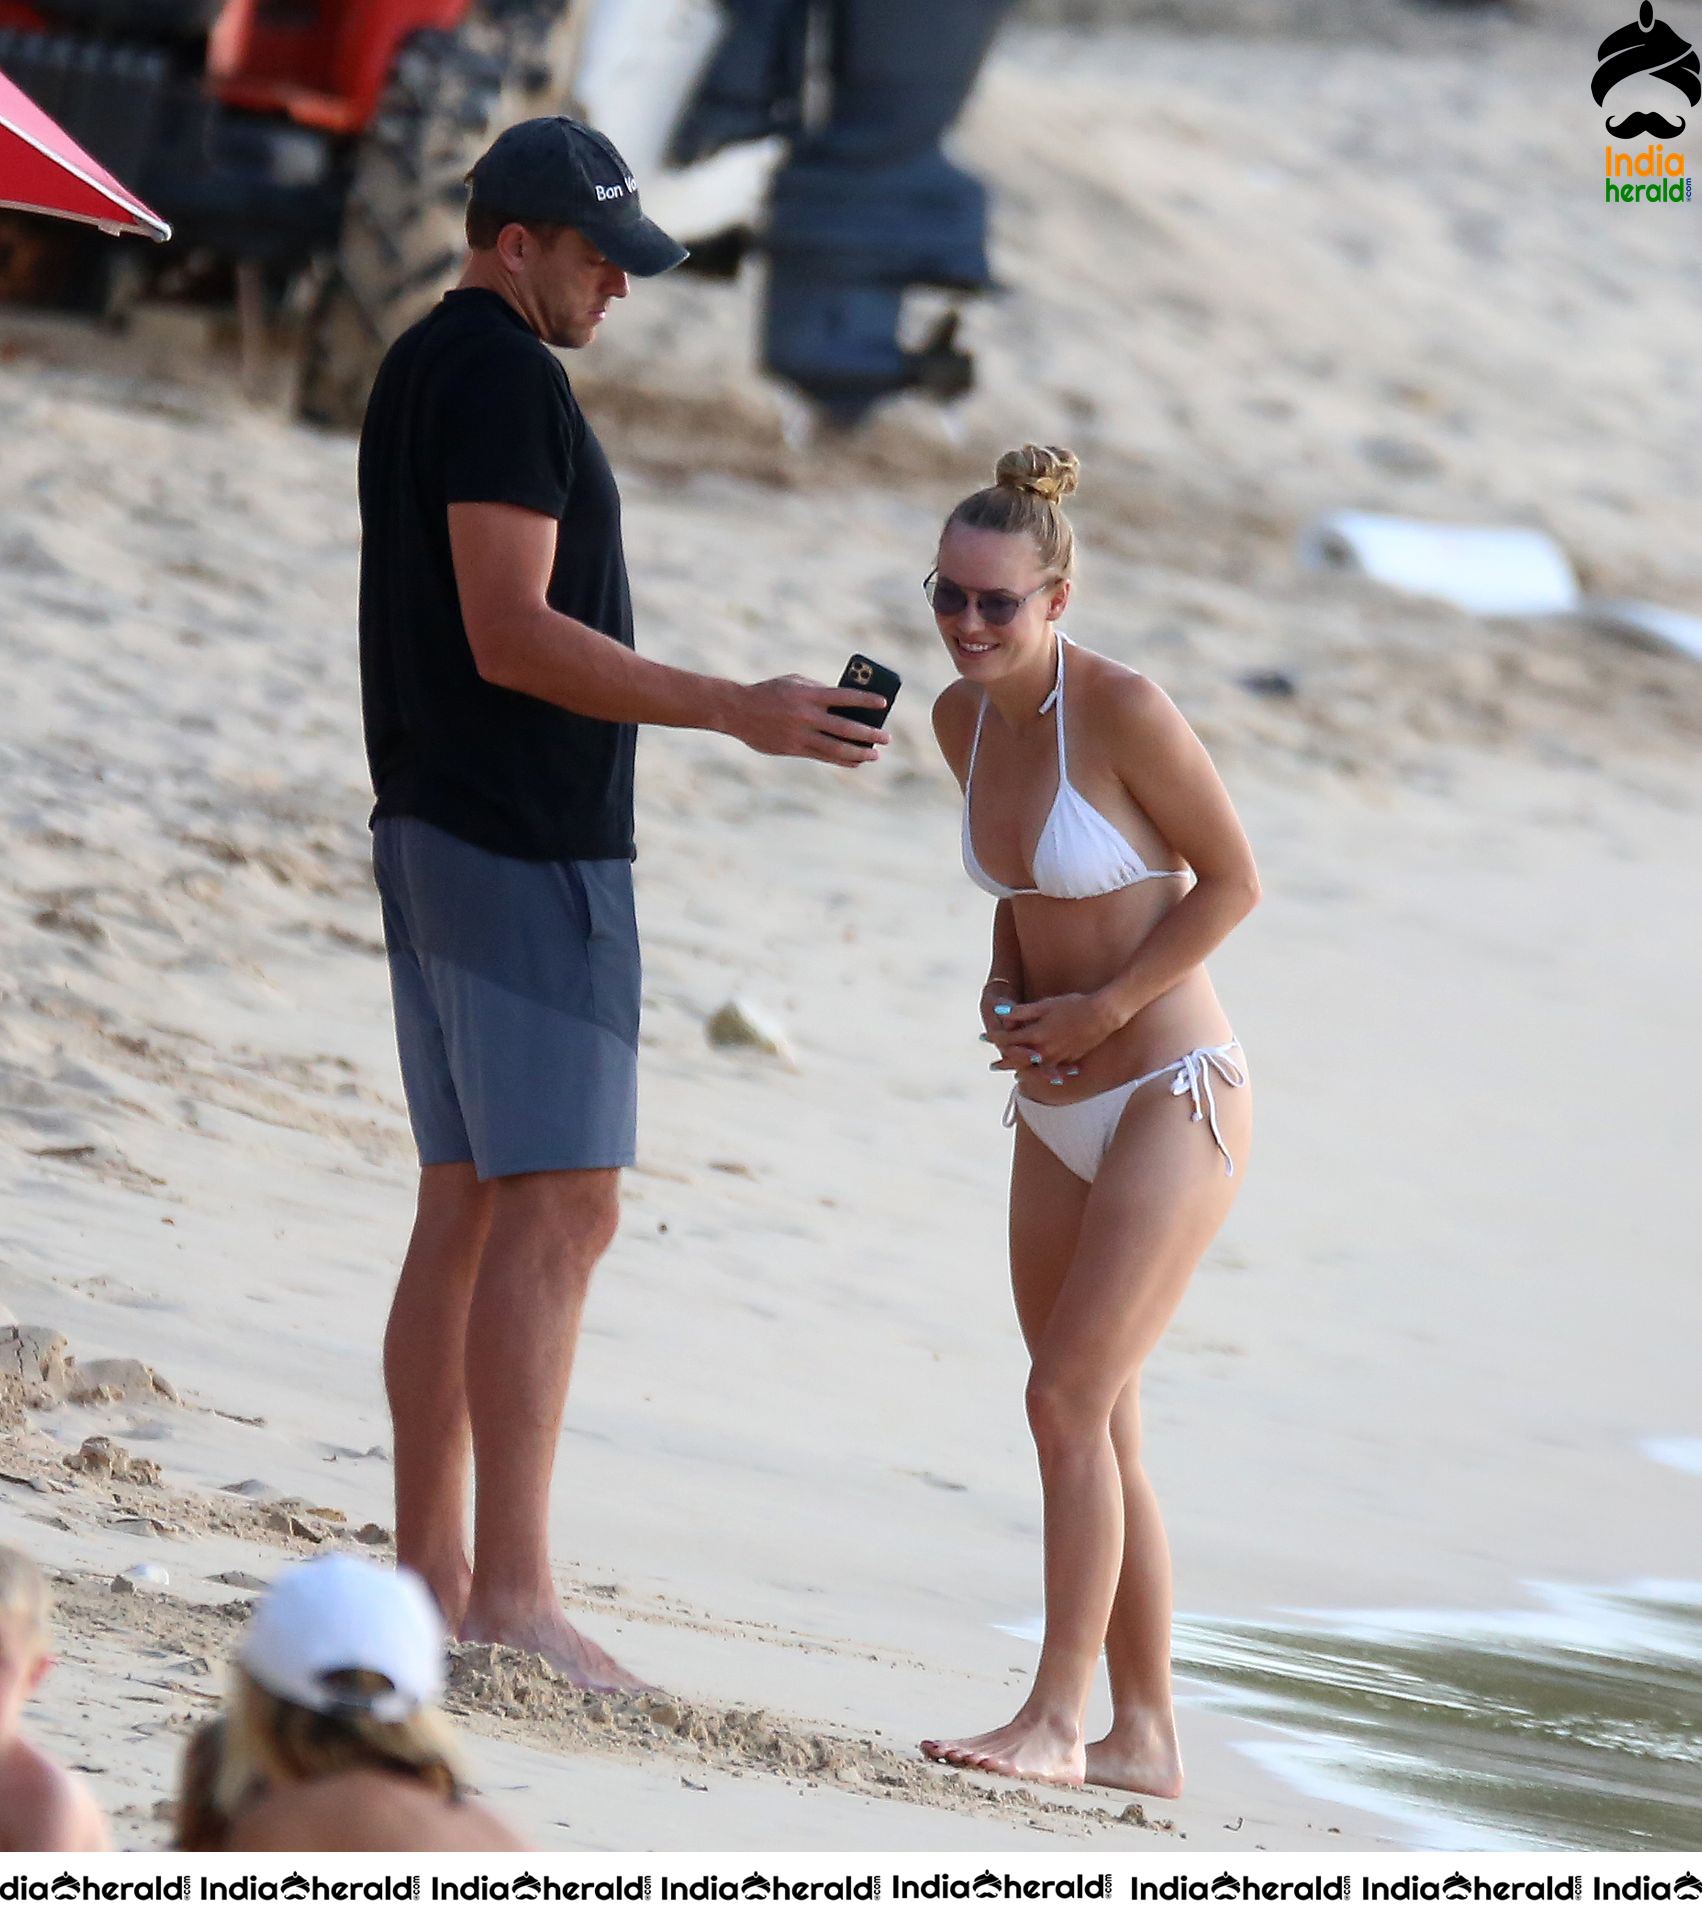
column 861, row 671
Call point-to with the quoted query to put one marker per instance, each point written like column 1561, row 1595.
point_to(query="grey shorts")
column 516, row 989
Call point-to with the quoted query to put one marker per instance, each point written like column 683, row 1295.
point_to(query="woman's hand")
column 998, row 1001
column 1058, row 1033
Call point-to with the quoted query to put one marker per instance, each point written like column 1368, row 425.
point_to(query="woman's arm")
column 1183, row 940
column 1006, row 967
column 1004, row 987
column 954, row 720
column 1164, row 765
column 1161, row 761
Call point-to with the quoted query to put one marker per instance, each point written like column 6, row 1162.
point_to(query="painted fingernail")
column 1056, row 1081
column 1034, row 1059
column 1072, row 1071
column 1002, row 1010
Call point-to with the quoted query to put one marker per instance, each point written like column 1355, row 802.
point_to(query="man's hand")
column 1057, row 1034
column 790, row 716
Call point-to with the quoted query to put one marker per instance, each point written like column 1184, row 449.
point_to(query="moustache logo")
column 1647, row 46
column 1636, row 123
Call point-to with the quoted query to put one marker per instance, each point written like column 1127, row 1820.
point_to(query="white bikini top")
column 1079, row 854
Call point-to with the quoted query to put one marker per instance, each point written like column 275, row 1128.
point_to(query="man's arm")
column 503, row 559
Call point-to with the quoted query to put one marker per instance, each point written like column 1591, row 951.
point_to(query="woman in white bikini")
column 1094, row 816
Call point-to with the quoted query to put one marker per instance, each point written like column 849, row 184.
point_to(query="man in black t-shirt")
column 501, row 695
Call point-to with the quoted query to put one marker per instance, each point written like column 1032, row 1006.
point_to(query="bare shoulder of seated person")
column 43, row 1809
column 368, row 1812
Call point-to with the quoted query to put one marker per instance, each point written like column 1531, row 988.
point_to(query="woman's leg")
column 1141, row 1753
column 1046, row 1206
column 1159, row 1198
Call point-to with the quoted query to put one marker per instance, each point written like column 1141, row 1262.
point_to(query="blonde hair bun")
column 1051, row 472
column 1024, row 499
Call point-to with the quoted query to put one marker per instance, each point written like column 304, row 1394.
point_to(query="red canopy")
column 43, row 170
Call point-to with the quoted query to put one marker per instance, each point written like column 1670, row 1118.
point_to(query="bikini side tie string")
column 1193, row 1077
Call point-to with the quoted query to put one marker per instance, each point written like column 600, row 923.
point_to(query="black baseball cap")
column 560, row 172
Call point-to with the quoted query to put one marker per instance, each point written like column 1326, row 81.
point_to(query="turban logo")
column 1650, row 46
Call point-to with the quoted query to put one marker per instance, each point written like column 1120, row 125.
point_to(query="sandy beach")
column 1436, row 1381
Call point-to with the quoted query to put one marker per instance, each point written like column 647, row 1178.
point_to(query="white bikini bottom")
column 1080, row 1133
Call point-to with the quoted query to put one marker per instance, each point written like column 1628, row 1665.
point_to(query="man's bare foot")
column 1149, row 1764
column 1022, row 1750
column 571, row 1653
column 449, row 1583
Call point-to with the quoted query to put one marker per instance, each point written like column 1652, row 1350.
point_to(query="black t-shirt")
column 470, row 405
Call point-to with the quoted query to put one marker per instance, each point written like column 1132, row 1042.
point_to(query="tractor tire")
column 403, row 236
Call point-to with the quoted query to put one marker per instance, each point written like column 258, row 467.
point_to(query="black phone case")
column 861, row 671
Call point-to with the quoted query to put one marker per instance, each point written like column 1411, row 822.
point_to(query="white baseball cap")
column 338, row 1614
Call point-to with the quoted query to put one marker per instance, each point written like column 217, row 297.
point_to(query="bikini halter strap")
column 1055, row 701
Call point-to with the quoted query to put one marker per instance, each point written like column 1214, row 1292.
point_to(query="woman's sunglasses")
column 948, row 600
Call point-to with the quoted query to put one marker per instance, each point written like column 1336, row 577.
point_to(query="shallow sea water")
column 1575, row 1723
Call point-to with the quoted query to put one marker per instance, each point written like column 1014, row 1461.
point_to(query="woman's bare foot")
column 1025, row 1749
column 1149, row 1764
column 571, row 1653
